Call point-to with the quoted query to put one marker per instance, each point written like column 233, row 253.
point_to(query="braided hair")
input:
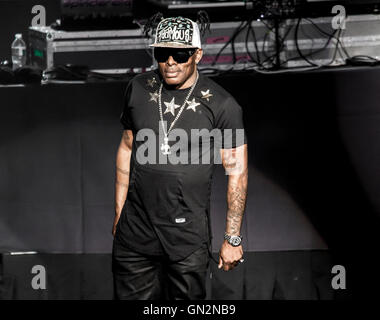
column 204, row 22
column 152, row 23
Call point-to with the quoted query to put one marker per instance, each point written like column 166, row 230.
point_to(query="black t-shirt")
column 168, row 201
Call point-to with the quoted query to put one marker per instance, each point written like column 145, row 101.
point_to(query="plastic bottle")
column 18, row 52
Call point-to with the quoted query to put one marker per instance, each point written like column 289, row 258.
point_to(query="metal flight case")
column 100, row 50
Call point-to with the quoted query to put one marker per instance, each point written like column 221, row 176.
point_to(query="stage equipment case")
column 102, row 50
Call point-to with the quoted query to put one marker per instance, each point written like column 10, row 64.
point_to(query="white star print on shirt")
column 206, row 94
column 151, row 82
column 171, row 106
column 192, row 104
column 154, row 96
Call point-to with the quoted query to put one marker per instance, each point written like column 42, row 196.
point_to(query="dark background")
column 313, row 162
column 313, row 150
column 314, row 179
column 313, row 158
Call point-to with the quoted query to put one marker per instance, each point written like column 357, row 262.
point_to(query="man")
column 161, row 228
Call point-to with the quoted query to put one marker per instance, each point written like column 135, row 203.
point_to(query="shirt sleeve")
column 229, row 121
column 125, row 117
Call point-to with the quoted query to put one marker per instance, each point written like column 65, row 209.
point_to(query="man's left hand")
column 229, row 256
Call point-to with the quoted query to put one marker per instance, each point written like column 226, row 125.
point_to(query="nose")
column 170, row 61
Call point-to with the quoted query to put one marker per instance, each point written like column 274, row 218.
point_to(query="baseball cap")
column 177, row 32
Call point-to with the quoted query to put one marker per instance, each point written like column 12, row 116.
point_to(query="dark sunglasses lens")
column 180, row 56
column 161, row 55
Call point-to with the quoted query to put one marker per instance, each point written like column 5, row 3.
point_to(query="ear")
column 198, row 55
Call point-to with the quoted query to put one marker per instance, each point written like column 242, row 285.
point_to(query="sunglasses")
column 179, row 55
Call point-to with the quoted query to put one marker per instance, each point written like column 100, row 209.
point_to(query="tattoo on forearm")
column 121, row 184
column 236, row 198
column 230, row 164
column 126, row 172
column 230, row 160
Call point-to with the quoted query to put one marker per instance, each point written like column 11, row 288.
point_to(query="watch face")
column 235, row 241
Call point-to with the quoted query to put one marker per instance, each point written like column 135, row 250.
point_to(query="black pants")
column 142, row 277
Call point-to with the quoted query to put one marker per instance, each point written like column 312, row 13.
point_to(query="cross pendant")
column 165, row 148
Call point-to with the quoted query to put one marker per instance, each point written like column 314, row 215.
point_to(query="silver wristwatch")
column 234, row 241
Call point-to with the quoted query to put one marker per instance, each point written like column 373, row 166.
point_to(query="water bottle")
column 18, row 52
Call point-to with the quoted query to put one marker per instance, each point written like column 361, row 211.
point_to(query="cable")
column 237, row 31
column 260, row 65
column 252, row 31
column 353, row 60
column 282, row 43
column 297, row 45
column 288, row 70
column 336, row 47
column 363, row 60
column 313, row 52
column 249, row 30
column 305, row 57
column 325, row 33
column 233, row 45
